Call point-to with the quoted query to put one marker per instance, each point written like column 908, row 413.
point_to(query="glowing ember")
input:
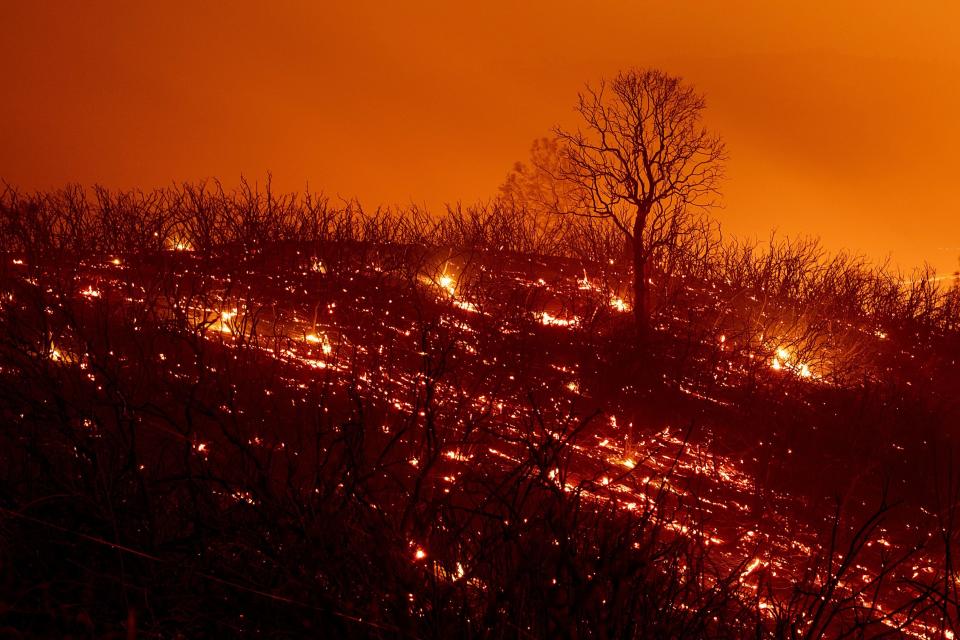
column 322, row 340
column 226, row 321
column 750, row 568
column 584, row 283
column 466, row 306
column 447, row 284
column 783, row 360
column 56, row 354
column 550, row 320
column 619, row 304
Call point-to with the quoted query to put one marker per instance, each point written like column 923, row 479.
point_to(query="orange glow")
column 839, row 119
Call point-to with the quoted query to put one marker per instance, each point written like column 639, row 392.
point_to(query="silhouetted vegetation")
column 246, row 413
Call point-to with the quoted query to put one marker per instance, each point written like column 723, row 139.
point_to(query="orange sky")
column 841, row 119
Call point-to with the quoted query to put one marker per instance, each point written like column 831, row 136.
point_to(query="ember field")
column 363, row 435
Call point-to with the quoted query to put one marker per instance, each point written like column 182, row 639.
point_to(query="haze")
column 840, row 121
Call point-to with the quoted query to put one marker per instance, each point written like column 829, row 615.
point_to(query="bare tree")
column 536, row 186
column 642, row 158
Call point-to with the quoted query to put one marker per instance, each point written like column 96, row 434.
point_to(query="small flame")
column 321, row 340
column 447, row 284
column 750, row 568
column 584, row 283
column 550, row 320
column 783, row 360
column 226, row 318
column 619, row 304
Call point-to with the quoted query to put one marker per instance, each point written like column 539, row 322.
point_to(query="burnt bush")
column 242, row 413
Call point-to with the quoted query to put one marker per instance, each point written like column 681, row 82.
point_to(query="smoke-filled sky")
column 841, row 118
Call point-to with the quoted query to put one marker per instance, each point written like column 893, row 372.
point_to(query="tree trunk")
column 641, row 288
column 641, row 306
